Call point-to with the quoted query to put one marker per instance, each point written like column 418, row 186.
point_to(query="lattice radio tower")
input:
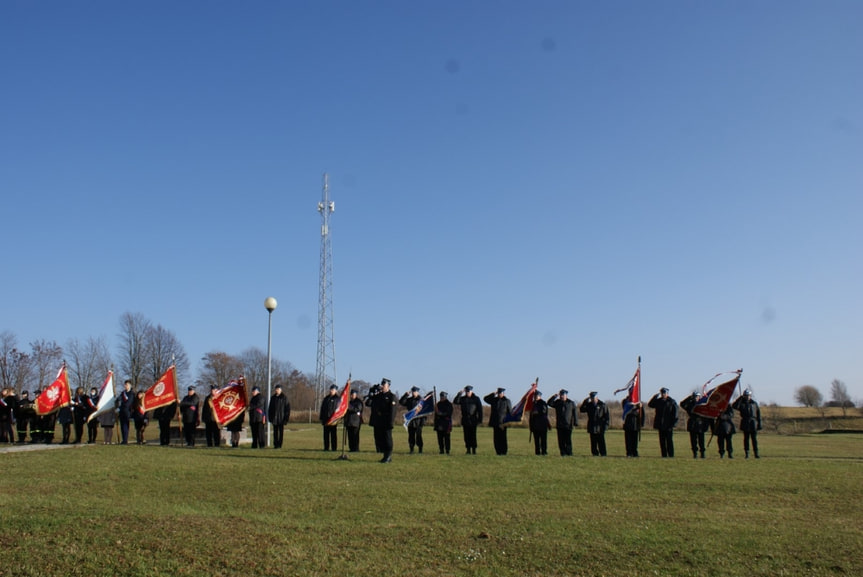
column 325, row 371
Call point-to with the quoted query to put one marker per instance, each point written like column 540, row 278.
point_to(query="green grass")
column 130, row 510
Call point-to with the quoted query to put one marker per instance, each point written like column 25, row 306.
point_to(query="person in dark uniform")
column 139, row 418
column 696, row 425
column 353, row 421
column 92, row 402
column 665, row 418
column 8, row 402
column 415, row 426
column 633, row 422
column 279, row 413
column 383, row 407
column 471, row 416
column 443, row 423
column 211, row 425
column 328, row 407
column 235, row 427
column 597, row 423
column 24, row 413
column 724, row 429
column 566, row 418
column 750, row 421
column 190, row 414
column 125, row 407
column 164, row 416
column 500, row 408
column 257, row 419
column 539, row 426
column 80, row 411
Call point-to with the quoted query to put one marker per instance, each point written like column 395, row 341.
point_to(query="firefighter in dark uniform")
column 500, row 409
column 633, row 422
column 328, row 407
column 279, row 413
column 696, row 425
column 750, row 421
column 383, row 405
column 258, row 419
column 471, row 416
column 724, row 429
column 211, row 425
column 164, row 415
column 597, row 423
column 664, row 420
column 353, row 421
column 190, row 413
column 24, row 413
column 443, row 423
column 566, row 417
column 125, row 409
column 415, row 427
column 538, row 422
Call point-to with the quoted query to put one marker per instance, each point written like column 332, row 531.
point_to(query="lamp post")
column 270, row 304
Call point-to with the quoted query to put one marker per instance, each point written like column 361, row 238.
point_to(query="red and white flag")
column 714, row 402
column 106, row 398
column 343, row 405
column 163, row 392
column 55, row 395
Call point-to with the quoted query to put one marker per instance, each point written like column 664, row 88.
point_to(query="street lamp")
column 270, row 304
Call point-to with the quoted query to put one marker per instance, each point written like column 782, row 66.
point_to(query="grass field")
column 149, row 510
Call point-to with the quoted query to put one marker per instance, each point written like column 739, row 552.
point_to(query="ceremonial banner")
column 229, row 401
column 525, row 405
column 342, row 408
column 55, row 395
column 633, row 388
column 106, row 398
column 423, row 408
column 163, row 392
column 715, row 401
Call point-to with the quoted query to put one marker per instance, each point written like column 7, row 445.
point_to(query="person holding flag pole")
column 338, row 414
column 633, row 412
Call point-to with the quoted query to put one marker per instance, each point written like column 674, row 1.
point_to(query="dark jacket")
column 597, row 415
column 190, row 409
column 665, row 412
column 409, row 402
column 567, row 416
column 383, row 406
column 695, row 423
column 500, row 408
column 538, row 420
column 443, row 416
column 750, row 414
column 634, row 419
column 471, row 409
column 354, row 416
column 724, row 426
column 257, row 410
column 165, row 414
column 279, row 411
column 328, row 407
column 125, row 403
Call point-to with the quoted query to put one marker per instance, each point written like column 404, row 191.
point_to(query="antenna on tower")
column 325, row 370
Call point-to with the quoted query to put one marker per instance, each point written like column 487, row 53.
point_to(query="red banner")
column 343, row 405
column 163, row 392
column 714, row 402
column 228, row 402
column 55, row 395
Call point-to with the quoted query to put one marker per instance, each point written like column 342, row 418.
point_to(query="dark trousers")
column 696, row 441
column 259, row 439
column 22, row 429
column 214, row 436
column 92, row 430
column 353, row 439
column 750, row 437
column 79, row 428
column 500, row 443
column 443, row 441
column 666, row 442
column 384, row 440
column 540, row 442
column 724, row 442
column 415, row 437
column 469, row 437
column 331, row 438
column 564, row 442
column 278, row 435
column 597, row 444
column 631, row 440
column 189, row 434
column 124, row 429
column 67, row 432
column 164, row 432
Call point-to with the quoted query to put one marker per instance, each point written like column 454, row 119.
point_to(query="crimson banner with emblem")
column 714, row 401
column 163, row 392
column 342, row 408
column 55, row 395
column 229, row 401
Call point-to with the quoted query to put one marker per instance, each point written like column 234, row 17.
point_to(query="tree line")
column 810, row 396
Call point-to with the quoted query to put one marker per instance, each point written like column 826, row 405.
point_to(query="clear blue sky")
column 523, row 189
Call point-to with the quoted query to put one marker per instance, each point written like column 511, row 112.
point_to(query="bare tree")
column 45, row 361
column 162, row 349
column 133, row 346
column 89, row 362
column 15, row 364
column 808, row 396
column 839, row 395
column 218, row 368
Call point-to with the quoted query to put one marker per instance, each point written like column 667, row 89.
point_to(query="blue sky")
column 522, row 189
